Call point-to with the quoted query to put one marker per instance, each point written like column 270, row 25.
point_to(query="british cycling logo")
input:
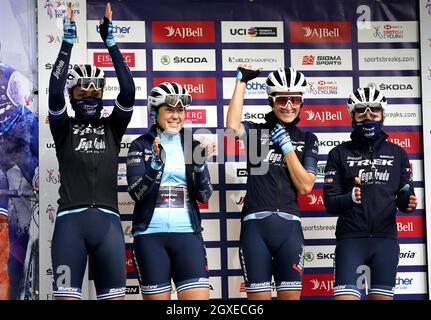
column 60, row 8
column 322, row 87
column 52, row 177
column 388, row 32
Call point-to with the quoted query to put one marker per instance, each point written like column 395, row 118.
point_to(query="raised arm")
column 234, row 112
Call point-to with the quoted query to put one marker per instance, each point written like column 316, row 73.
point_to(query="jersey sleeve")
column 141, row 176
column 334, row 199
column 123, row 106
column 311, row 153
column 4, row 186
column 57, row 110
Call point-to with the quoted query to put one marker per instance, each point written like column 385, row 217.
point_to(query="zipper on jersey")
column 373, row 170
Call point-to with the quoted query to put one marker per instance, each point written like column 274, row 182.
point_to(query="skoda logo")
column 308, row 256
column 165, row 60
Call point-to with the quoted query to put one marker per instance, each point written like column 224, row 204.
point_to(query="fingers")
column 108, row 11
column 413, row 202
column 69, row 12
column 211, row 148
column 357, row 182
column 156, row 145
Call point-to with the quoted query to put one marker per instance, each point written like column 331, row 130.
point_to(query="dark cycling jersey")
column 275, row 191
column 384, row 169
column 87, row 152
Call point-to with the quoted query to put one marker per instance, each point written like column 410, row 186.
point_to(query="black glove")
column 245, row 75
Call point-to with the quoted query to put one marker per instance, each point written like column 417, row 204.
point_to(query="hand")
column 157, row 161
column 69, row 25
column 356, row 191
column 281, row 137
column 246, row 73
column 413, row 200
column 105, row 27
column 202, row 154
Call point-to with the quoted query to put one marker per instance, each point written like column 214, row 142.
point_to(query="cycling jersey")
column 144, row 181
column 384, row 169
column 87, row 152
column 275, row 191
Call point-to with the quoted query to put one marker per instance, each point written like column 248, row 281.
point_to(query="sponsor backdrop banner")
column 338, row 45
column 19, row 210
column 425, row 27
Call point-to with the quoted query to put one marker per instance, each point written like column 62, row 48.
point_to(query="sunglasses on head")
column 88, row 83
column 172, row 100
column 373, row 108
column 295, row 101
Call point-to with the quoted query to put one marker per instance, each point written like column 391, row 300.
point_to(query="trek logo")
column 103, row 59
column 368, row 162
column 254, row 31
column 320, row 32
column 183, row 31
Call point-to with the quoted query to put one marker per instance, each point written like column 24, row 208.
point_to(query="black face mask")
column 87, row 109
column 368, row 130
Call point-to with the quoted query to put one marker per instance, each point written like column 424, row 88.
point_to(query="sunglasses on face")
column 173, row 99
column 373, row 108
column 83, row 94
column 294, row 101
column 88, row 83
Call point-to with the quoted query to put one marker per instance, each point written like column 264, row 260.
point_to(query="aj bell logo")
column 184, row 32
column 324, row 285
column 323, row 116
column 315, row 199
column 321, row 32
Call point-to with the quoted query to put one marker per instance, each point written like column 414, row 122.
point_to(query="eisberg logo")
column 196, row 116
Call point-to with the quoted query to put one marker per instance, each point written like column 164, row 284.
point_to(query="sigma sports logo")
column 320, row 32
column 321, row 60
column 183, row 31
column 322, row 87
column 199, row 88
column 196, row 116
column 393, row 32
column 254, row 31
column 103, row 59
